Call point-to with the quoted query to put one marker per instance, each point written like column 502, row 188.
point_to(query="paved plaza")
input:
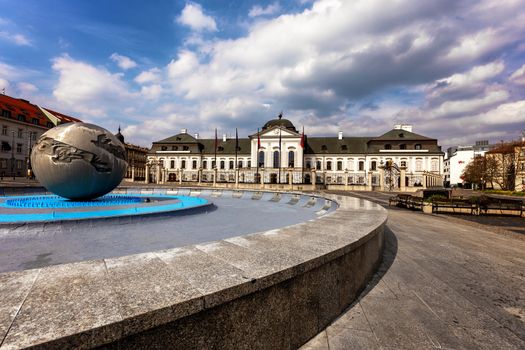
column 445, row 283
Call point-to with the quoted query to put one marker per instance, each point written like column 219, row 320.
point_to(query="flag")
column 302, row 139
column 258, row 139
column 236, row 148
column 216, row 144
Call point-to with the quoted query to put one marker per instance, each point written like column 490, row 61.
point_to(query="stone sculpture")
column 79, row 161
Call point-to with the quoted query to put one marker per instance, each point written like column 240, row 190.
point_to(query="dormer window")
column 164, row 148
column 220, row 149
column 324, row 148
column 388, row 146
column 417, row 146
column 401, row 135
column 344, row 148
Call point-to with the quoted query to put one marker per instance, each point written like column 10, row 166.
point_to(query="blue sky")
column 455, row 69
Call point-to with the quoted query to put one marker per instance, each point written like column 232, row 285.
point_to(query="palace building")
column 280, row 155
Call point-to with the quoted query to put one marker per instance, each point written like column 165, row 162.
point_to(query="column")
column 200, row 176
column 369, row 182
column 133, row 173
column 236, row 178
column 180, row 176
column 146, row 174
column 346, row 180
column 382, row 179
column 313, row 178
column 157, row 172
column 214, row 176
column 402, row 176
column 262, row 177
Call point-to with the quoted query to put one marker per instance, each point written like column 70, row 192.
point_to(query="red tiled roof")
column 63, row 118
column 18, row 106
column 22, row 107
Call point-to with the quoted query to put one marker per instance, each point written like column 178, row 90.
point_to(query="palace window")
column 419, row 165
column 222, row 164
column 35, row 121
column 185, row 148
column 239, row 164
column 373, row 165
column 344, row 148
column 231, row 164
column 402, row 146
column 172, row 164
column 213, row 164
column 339, row 165
column 434, row 165
column 261, row 159
column 324, row 148
column 18, row 148
column 404, row 163
column 249, row 163
column 174, row 148
column 194, row 164
column 220, row 149
column 291, row 160
column 20, row 133
column 21, row 118
column 164, row 148
column 276, row 160
column 388, row 146
column 204, row 164
column 318, row 165
column 4, row 129
column 308, row 164
column 361, row 165
column 417, row 146
column 6, row 113
column 183, row 164
column 329, row 165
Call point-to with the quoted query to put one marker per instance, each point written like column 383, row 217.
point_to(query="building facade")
column 458, row 157
column 21, row 124
column 279, row 154
column 136, row 157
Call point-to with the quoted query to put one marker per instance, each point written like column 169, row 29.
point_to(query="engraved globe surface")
column 79, row 161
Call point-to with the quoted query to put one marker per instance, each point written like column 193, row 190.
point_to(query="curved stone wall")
column 273, row 290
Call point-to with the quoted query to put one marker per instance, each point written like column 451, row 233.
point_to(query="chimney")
column 397, row 126
column 223, row 137
column 197, row 135
column 183, row 131
column 340, row 135
column 407, row 127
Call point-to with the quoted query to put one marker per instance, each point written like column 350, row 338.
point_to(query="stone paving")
column 443, row 284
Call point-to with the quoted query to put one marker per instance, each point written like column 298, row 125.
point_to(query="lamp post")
column 13, row 155
column 29, row 174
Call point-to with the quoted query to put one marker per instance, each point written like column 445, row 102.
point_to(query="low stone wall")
column 269, row 290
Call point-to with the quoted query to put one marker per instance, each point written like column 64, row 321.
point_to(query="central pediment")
column 275, row 131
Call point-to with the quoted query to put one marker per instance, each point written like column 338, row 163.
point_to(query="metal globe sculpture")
column 79, row 161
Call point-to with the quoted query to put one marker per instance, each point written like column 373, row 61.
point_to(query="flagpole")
column 257, row 155
column 236, row 147
column 302, row 160
column 280, row 155
column 215, row 154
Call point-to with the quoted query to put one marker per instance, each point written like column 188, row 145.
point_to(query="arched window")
column 231, row 164
column 239, row 164
column 172, row 164
column 291, row 159
column 373, row 165
column 183, row 164
column 329, row 165
column 276, row 160
column 308, row 164
column 261, row 158
column 361, row 165
column 194, row 164
column 318, row 165
column 205, row 164
column 339, row 165
column 222, row 164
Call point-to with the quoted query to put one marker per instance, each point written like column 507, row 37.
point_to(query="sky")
column 454, row 69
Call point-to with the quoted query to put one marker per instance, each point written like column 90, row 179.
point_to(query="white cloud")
column 26, row 89
column 88, row 89
column 193, row 17
column 17, row 39
column 271, row 9
column 123, row 61
column 149, row 76
column 518, row 77
column 151, row 92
